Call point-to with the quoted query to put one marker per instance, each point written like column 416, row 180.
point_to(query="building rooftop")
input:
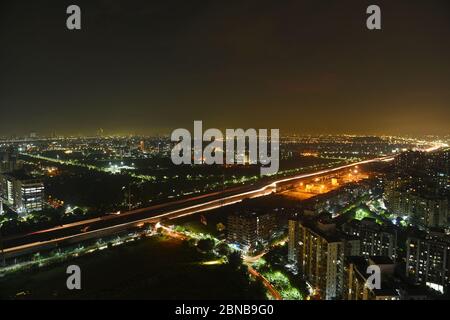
column 359, row 262
column 19, row 175
column 326, row 231
column 246, row 213
column 387, row 289
column 380, row 260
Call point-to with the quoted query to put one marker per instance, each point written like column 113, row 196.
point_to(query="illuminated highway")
column 114, row 223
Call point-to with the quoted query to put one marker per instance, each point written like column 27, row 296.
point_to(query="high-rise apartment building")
column 248, row 229
column 319, row 249
column 431, row 210
column 376, row 240
column 428, row 260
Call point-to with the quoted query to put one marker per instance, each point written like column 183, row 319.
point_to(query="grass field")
column 153, row 268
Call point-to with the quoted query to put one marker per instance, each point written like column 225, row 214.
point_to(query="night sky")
column 150, row 66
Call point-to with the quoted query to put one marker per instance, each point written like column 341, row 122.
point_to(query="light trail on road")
column 172, row 214
column 177, row 213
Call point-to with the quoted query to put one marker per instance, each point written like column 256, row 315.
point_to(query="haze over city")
column 149, row 67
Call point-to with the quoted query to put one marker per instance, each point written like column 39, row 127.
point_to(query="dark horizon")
column 150, row 67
